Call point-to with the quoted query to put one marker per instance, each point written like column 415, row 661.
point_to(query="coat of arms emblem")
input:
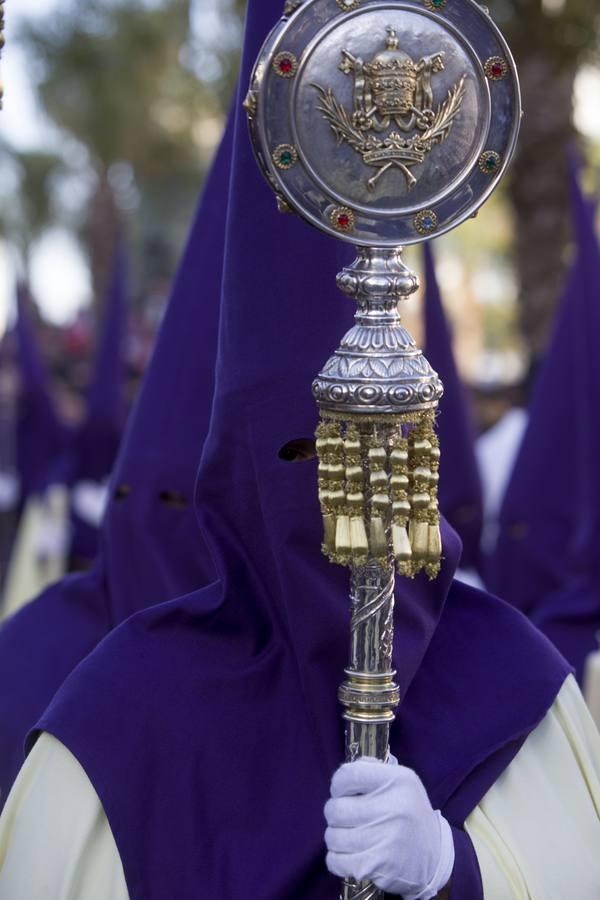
column 393, row 121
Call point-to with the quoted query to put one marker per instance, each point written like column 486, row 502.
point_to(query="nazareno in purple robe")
column 41, row 437
column 460, row 492
column 96, row 442
column 150, row 545
column 546, row 558
column 570, row 615
column 209, row 725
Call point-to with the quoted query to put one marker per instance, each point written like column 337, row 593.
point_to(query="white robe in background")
column 89, row 500
column 591, row 685
column 536, row 832
column 39, row 554
column 496, row 452
column 9, row 491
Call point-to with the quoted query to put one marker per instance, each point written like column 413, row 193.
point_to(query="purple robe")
column 209, row 725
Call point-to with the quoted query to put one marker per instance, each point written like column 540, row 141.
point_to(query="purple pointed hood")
column 570, row 615
column 96, row 442
column 224, row 701
column 8, row 460
column 105, row 397
column 41, row 437
column 460, row 492
column 150, row 544
column 541, row 512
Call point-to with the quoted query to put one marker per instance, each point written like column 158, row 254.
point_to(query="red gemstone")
column 286, row 65
column 497, row 70
column 344, row 220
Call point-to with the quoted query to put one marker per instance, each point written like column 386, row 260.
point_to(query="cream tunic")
column 39, row 555
column 536, row 832
column 497, row 451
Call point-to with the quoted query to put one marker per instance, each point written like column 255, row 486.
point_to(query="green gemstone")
column 286, row 158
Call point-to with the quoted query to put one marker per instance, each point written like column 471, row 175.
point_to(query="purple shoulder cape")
column 214, row 737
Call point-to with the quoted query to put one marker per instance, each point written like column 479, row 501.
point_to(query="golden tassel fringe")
column 378, row 492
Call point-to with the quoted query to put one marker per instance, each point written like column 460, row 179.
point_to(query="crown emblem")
column 393, row 97
column 392, row 77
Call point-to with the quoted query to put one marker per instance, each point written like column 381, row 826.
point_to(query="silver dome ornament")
column 383, row 123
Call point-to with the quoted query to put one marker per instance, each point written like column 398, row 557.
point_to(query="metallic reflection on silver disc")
column 384, row 123
column 401, row 174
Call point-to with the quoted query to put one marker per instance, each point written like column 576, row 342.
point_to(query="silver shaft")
column 369, row 695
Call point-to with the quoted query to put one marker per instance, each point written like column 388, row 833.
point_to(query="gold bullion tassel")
column 378, row 486
column 327, row 509
column 355, row 497
column 419, row 448
column 380, row 498
column 338, row 499
column 434, row 550
column 399, row 486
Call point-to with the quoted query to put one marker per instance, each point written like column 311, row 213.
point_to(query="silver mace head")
column 384, row 124
column 378, row 368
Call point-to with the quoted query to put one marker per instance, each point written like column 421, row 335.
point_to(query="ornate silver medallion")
column 389, row 107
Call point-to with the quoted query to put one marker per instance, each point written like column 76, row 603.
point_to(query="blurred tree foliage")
column 118, row 78
column 25, row 220
column 550, row 40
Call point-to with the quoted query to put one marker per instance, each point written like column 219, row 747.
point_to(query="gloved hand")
column 382, row 828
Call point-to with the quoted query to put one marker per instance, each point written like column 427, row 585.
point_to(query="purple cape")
column 460, row 492
column 151, row 547
column 209, row 725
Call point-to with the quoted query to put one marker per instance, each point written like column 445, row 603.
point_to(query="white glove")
column 383, row 829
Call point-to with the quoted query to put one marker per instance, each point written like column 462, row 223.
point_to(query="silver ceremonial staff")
column 384, row 123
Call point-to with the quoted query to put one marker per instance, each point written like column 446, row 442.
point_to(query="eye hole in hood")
column 298, row 450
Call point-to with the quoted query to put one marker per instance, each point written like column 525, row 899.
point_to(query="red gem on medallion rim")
column 285, row 64
column 342, row 218
column 496, row 68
